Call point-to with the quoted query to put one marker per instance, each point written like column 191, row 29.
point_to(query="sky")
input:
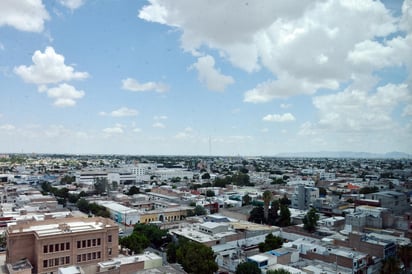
column 215, row 77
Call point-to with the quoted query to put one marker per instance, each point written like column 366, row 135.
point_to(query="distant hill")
column 346, row 154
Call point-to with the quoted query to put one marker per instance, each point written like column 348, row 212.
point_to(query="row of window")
column 56, row 262
column 56, row 247
column 89, row 243
column 89, row 256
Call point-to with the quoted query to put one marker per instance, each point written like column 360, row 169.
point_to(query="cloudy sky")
column 220, row 77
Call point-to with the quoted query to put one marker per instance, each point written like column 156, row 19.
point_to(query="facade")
column 397, row 202
column 58, row 243
column 304, row 197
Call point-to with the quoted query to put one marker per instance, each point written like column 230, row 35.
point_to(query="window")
column 56, row 247
column 94, row 255
column 62, row 246
column 89, row 243
column 61, row 260
column 44, row 263
column 98, row 255
column 84, row 257
column 79, row 258
column 67, row 259
column 56, row 261
column 51, row 248
column 67, row 246
column 94, row 242
column 84, row 243
column 98, row 241
column 45, row 249
column 78, row 244
column 89, row 256
column 109, row 238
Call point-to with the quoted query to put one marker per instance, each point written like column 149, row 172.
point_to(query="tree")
column 368, row 190
column 156, row 236
column 135, row 242
column 267, row 197
column 200, row 210
column 210, row 193
column 205, row 176
column 196, row 258
column 133, row 190
column 248, row 268
column 246, row 199
column 271, row 242
column 100, row 185
column 285, row 200
column 322, row 191
column 284, row 216
column 83, row 205
column 66, row 180
column 310, row 220
column 257, row 215
column 278, row 271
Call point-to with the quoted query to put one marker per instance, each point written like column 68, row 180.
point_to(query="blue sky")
column 223, row 77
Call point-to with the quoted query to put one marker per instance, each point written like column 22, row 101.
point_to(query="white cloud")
column 158, row 125
column 357, row 110
column 47, row 68
column 286, row 117
column 64, row 95
column 284, row 106
column 185, row 134
column 7, row 127
column 133, row 85
column 113, row 130
column 23, row 15
column 136, row 129
column 121, row 112
column 72, row 4
column 160, row 117
column 305, row 44
column 209, row 75
column 407, row 111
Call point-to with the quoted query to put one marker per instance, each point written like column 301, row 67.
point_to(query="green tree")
column 248, row 268
column 310, row 220
column 322, row 191
column 284, row 216
column 67, row 179
column 133, row 190
column 196, row 258
column 278, row 271
column 83, row 205
column 210, row 193
column 257, row 215
column 200, row 210
column 368, row 190
column 101, row 185
column 205, row 176
column 271, row 242
column 135, row 242
column 246, row 199
column 171, row 253
column 267, row 198
column 156, row 236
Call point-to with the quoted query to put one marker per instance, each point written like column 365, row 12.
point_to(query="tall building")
column 55, row 243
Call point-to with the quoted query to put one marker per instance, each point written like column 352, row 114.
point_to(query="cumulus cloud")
column 117, row 129
column 121, row 112
column 185, row 134
column 158, row 125
column 47, row 68
column 23, row 15
column 64, row 95
column 358, row 110
column 306, row 45
column 7, row 127
column 209, row 75
column 72, row 4
column 286, row 117
column 133, row 85
column 160, row 117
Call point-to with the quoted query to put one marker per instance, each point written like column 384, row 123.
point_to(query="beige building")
column 55, row 243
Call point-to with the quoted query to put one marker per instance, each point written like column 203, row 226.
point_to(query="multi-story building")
column 304, row 196
column 55, row 243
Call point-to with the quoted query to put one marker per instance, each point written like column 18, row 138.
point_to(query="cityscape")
column 206, row 137
column 131, row 214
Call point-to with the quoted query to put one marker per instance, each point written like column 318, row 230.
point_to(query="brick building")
column 55, row 243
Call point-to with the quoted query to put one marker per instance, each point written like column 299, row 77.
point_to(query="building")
column 397, row 202
column 304, row 196
column 62, row 242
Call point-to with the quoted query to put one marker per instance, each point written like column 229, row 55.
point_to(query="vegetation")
column 101, row 186
column 248, row 268
column 197, row 211
column 310, row 220
column 239, row 178
column 271, row 242
column 133, row 190
column 193, row 256
column 246, row 200
column 274, row 218
column 92, row 208
column 368, row 190
column 143, row 236
column 257, row 215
